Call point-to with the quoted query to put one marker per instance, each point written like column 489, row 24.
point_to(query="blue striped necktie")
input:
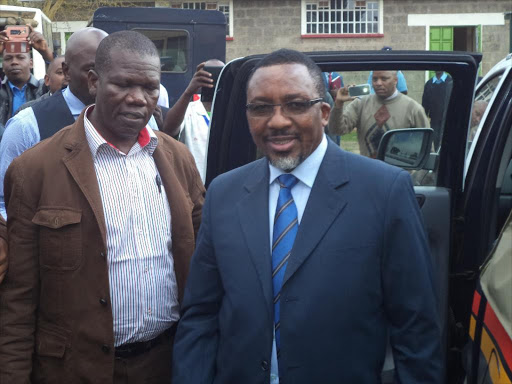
column 285, row 229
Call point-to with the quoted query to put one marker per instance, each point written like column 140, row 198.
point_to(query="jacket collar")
column 32, row 82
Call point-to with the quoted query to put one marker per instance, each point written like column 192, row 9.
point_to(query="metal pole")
column 508, row 16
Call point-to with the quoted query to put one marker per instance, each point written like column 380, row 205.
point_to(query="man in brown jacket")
column 102, row 221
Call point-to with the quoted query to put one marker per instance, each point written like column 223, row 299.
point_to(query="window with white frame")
column 341, row 16
column 222, row 6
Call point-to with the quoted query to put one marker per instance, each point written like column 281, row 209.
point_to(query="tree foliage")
column 70, row 10
column 50, row 7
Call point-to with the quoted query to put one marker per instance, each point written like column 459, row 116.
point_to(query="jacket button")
column 264, row 365
column 102, row 255
column 103, row 301
column 105, row 348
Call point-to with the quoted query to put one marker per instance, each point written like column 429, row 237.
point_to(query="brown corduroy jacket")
column 54, row 324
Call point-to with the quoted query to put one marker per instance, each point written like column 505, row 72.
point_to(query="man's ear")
column 92, row 80
column 47, row 80
column 326, row 111
column 31, row 63
column 65, row 70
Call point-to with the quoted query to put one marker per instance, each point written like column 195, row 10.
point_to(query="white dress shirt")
column 194, row 132
column 143, row 288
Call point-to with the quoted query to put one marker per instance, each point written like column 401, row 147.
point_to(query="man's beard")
column 287, row 163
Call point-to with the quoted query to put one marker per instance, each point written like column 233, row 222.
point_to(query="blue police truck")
column 184, row 38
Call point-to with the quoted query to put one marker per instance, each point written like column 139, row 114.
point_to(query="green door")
column 441, row 38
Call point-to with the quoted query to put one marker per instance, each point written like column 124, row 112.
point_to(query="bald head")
column 83, row 37
column 214, row 63
column 80, row 55
column 54, row 78
column 54, row 64
column 479, row 107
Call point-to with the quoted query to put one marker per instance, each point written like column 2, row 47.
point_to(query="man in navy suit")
column 309, row 259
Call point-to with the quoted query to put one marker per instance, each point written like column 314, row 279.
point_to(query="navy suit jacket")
column 360, row 270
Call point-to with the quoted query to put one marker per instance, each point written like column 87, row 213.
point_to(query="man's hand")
column 3, row 39
column 38, row 42
column 200, row 79
column 342, row 96
column 3, row 259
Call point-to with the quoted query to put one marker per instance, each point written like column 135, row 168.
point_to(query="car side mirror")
column 406, row 148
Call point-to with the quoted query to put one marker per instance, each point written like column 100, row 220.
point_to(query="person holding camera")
column 373, row 115
column 19, row 85
column 189, row 121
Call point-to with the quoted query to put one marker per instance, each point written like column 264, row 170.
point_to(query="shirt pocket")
column 60, row 238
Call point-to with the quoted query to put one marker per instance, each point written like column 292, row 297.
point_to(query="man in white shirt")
column 189, row 121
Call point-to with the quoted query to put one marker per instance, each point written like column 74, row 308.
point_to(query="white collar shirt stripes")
column 143, row 288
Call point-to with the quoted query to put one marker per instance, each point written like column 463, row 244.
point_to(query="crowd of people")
column 118, row 267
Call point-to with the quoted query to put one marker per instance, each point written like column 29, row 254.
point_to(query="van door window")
column 379, row 101
column 172, row 46
column 480, row 104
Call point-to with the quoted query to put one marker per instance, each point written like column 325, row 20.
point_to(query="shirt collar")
column 442, row 79
column 147, row 139
column 15, row 88
column 75, row 105
column 198, row 107
column 395, row 94
column 307, row 170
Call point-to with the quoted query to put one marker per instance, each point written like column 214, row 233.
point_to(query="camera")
column 18, row 42
column 359, row 90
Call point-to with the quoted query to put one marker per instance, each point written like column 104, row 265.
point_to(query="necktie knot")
column 287, row 180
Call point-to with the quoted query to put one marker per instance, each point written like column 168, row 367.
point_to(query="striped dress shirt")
column 143, row 289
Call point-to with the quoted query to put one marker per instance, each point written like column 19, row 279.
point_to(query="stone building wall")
column 265, row 25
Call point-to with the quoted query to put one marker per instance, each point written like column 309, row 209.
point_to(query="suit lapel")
column 326, row 202
column 80, row 165
column 253, row 216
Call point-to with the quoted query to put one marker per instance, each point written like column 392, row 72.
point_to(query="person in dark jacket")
column 54, row 80
column 436, row 96
column 19, row 85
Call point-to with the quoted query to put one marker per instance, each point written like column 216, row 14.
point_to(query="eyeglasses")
column 289, row 109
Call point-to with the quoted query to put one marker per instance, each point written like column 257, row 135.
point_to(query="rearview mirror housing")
column 407, row 148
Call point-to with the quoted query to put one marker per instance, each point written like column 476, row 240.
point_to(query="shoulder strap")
column 52, row 114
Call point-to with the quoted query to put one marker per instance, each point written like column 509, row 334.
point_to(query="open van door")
column 439, row 187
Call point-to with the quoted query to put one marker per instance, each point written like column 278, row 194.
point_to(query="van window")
column 480, row 104
column 172, row 46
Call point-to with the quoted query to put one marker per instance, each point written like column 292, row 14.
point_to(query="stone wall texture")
column 265, row 25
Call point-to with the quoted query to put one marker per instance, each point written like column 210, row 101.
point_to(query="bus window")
column 172, row 46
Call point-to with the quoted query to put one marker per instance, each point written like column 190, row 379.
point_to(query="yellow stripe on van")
column 496, row 371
